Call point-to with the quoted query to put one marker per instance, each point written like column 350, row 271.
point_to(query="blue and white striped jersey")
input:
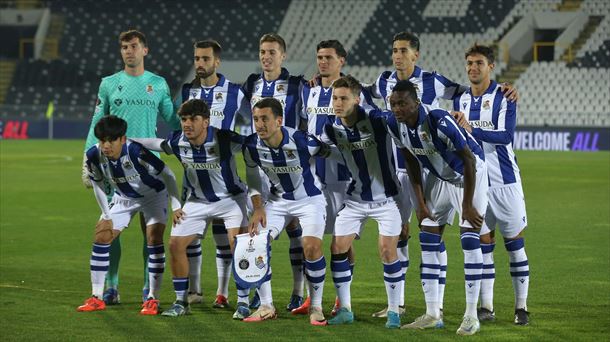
column 367, row 150
column 317, row 105
column 435, row 141
column 493, row 120
column 224, row 100
column 135, row 174
column 290, row 167
column 210, row 172
column 430, row 87
column 286, row 89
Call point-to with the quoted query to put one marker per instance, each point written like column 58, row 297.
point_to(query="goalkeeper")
column 138, row 97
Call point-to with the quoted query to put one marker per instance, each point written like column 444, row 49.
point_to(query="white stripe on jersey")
column 290, row 167
column 133, row 175
column 210, row 172
column 493, row 119
column 367, row 151
column 224, row 100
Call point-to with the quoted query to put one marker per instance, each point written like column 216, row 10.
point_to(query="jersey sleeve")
column 504, row 132
column 394, row 130
column 447, row 89
column 167, row 109
column 451, row 133
column 147, row 158
column 366, row 100
column 102, row 107
column 93, row 165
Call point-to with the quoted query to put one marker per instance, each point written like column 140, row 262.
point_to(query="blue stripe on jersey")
column 506, row 168
column 117, row 171
column 300, row 138
column 200, row 156
column 416, row 142
column 231, row 106
column 400, row 160
column 450, row 157
column 363, row 173
column 291, row 118
column 268, row 90
column 387, row 173
column 186, row 88
column 279, row 159
column 321, row 120
column 135, row 151
column 224, row 145
column 428, row 92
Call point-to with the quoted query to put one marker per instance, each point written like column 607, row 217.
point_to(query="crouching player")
column 141, row 182
column 216, row 192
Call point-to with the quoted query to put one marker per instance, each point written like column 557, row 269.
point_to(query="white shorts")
column 153, row 207
column 335, row 197
column 506, row 210
column 444, row 199
column 311, row 212
column 351, row 218
column 197, row 215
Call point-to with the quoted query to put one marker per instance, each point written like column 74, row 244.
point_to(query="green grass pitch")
column 46, row 227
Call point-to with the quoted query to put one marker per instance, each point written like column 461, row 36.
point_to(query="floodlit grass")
column 46, row 227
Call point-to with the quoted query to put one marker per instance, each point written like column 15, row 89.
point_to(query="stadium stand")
column 551, row 93
column 89, row 48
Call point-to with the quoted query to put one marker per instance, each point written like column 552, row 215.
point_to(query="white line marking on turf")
column 10, row 286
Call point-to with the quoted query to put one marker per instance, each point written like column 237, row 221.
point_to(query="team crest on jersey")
column 424, row 136
column 290, row 155
column 280, row 88
column 260, row 262
column 218, row 97
column 149, row 88
column 486, row 104
column 127, row 164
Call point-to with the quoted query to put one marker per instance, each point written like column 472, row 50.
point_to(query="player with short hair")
column 142, row 183
column 139, row 97
column 457, row 181
column 224, row 99
column 214, row 188
column 430, row 86
column 491, row 119
column 276, row 82
column 317, row 105
column 366, row 147
column 285, row 155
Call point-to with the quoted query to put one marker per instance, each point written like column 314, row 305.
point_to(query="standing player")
column 142, row 183
column 491, row 120
column 215, row 190
column 366, row 148
column 285, row 155
column 430, row 87
column 457, row 181
column 223, row 98
column 276, row 82
column 139, row 97
column 317, row 106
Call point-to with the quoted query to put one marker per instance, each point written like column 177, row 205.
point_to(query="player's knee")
column 104, row 236
column 516, row 237
column 487, row 238
column 388, row 252
column 312, row 248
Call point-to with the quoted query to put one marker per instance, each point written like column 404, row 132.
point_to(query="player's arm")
column 153, row 163
column 254, row 191
column 155, row 144
column 501, row 135
column 366, row 99
column 167, row 109
column 469, row 212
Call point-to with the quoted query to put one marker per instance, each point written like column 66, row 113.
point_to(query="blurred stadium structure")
column 557, row 52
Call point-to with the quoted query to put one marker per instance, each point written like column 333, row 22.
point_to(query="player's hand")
column 85, row 175
column 314, row 81
column 177, row 216
column 470, row 214
column 422, row 213
column 258, row 217
column 510, row 92
column 460, row 118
